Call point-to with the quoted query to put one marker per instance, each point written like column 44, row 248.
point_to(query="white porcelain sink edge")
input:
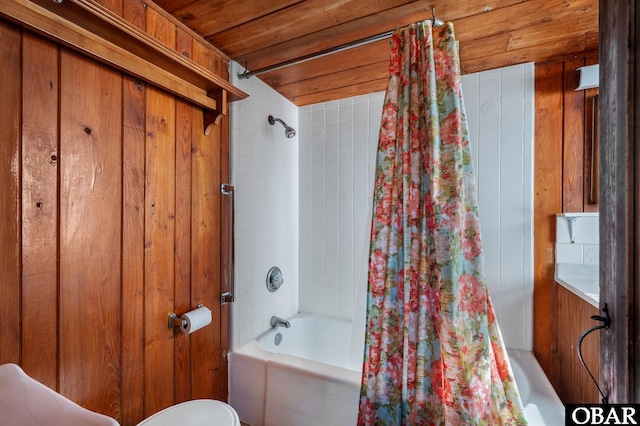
column 582, row 280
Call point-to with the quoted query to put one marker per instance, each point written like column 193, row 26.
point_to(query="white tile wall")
column 338, row 143
column 499, row 106
column 586, row 239
column 264, row 169
column 304, row 203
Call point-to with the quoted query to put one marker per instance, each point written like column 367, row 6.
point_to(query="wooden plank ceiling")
column 492, row 33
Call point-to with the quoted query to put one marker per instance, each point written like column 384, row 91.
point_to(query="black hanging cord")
column 604, row 323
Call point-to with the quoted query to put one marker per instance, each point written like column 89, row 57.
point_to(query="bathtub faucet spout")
column 279, row 322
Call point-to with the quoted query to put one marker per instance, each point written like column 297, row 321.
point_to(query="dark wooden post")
column 620, row 199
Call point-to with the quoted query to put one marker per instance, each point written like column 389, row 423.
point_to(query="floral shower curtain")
column 433, row 351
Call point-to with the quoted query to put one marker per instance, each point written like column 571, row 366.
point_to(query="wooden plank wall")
column 562, row 156
column 112, row 219
column 569, row 378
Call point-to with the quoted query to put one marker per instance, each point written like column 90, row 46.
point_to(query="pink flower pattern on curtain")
column 433, row 351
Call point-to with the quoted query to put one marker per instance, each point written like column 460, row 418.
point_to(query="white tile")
column 490, row 229
column 332, row 130
column 471, row 109
column 511, row 278
column 512, row 84
column 489, row 165
column 512, row 70
column 489, row 126
column 317, row 132
column 332, row 160
column 332, row 145
column 586, row 229
column 511, row 307
column 318, row 117
column 318, row 308
column 346, row 128
column 492, row 276
column 332, row 310
column 529, row 85
column 529, row 114
column 498, row 216
column 346, row 143
column 317, row 161
column 511, row 259
column 376, row 97
column 511, row 164
column 491, row 258
column 569, row 253
column 317, row 148
column 360, row 157
column 361, row 126
column 346, row 159
column 331, row 115
column 512, row 124
column 512, row 105
column 512, row 336
column 470, row 91
column 489, row 74
column 361, row 173
column 489, row 144
column 469, row 78
column 361, row 142
column 591, row 254
column 489, row 108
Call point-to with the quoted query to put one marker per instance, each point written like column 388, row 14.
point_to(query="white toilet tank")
column 199, row 412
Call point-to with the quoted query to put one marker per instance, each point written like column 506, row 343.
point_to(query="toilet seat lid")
column 199, row 412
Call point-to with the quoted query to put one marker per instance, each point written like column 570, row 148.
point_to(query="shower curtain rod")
column 326, row 52
column 322, row 53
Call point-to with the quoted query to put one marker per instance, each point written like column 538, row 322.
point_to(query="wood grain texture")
column 116, row 6
column 160, row 204
column 184, row 114
column 573, row 138
column 319, row 15
column 491, row 34
column 134, row 13
column 210, row 20
column 133, row 226
column 10, row 261
column 574, row 386
column 133, row 236
column 98, row 183
column 590, row 132
column 619, row 201
column 159, row 249
column 90, row 233
column 548, row 202
column 226, row 257
column 40, row 154
column 160, row 28
column 205, row 260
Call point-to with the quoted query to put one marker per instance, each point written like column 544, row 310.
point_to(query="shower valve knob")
column 274, row 279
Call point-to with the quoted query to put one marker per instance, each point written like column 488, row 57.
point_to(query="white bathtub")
column 310, row 378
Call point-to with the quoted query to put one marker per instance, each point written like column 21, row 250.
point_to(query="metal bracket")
column 227, row 189
column 174, row 321
column 227, row 297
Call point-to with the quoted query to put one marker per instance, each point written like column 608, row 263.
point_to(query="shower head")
column 288, row 131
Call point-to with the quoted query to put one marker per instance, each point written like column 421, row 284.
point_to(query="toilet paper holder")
column 175, row 321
